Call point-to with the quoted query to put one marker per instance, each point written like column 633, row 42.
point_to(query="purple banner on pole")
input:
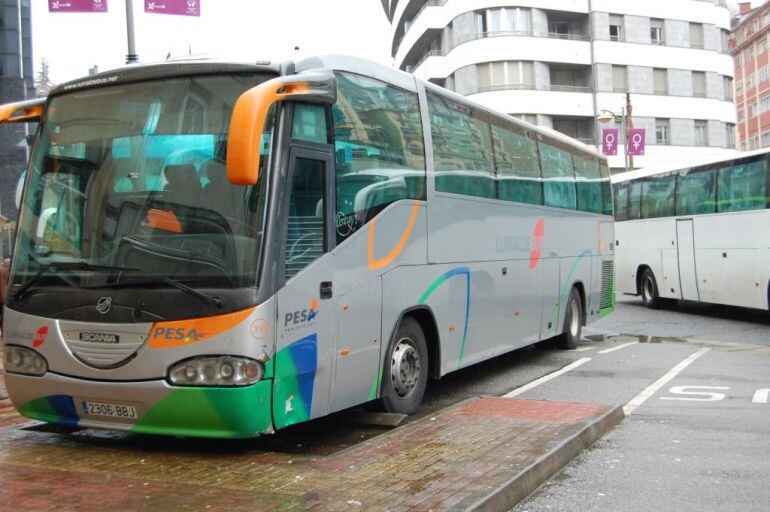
column 77, row 5
column 610, row 141
column 178, row 7
column 635, row 142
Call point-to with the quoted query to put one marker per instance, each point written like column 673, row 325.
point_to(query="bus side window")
column 696, row 193
column 657, row 195
column 558, row 177
column 588, row 184
column 621, row 202
column 462, row 149
column 635, row 201
column 518, row 168
column 743, row 187
column 378, row 148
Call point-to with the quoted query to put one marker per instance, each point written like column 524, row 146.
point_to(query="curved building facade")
column 561, row 63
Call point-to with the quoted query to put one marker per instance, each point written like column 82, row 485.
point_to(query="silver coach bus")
column 223, row 250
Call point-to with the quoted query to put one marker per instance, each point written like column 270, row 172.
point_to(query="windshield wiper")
column 208, row 299
column 68, row 266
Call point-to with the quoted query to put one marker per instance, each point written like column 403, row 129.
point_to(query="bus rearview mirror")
column 29, row 111
column 250, row 115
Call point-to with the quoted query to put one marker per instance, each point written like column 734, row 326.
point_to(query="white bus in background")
column 700, row 234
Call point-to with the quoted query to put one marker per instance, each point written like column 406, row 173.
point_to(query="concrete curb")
column 528, row 480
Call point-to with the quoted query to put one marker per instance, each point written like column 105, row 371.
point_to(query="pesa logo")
column 99, row 337
column 302, row 316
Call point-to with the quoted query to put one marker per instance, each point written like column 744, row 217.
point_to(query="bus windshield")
column 128, row 185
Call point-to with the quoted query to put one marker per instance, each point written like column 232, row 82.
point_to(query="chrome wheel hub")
column 405, row 367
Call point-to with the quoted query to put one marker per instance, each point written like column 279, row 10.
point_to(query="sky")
column 243, row 30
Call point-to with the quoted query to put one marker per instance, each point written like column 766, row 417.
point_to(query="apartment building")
column 749, row 48
column 562, row 63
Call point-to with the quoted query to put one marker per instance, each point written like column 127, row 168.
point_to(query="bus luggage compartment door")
column 686, row 252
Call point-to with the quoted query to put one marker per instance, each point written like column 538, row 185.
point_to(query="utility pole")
column 629, row 125
column 132, row 57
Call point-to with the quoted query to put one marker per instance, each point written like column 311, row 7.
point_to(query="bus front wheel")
column 405, row 375
column 573, row 322
column 649, row 286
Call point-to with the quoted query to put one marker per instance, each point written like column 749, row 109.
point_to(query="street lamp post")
column 627, row 124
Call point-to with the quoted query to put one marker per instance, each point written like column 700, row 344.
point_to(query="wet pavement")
column 453, row 460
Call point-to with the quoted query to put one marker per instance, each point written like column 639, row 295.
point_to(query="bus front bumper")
column 148, row 407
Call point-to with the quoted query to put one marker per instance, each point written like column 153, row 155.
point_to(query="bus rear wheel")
column 405, row 375
column 573, row 322
column 649, row 287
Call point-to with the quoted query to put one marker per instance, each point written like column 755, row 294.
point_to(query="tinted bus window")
column 558, row 177
column 310, row 123
column 621, row 202
column 696, row 193
column 743, row 187
column 518, row 169
column 634, row 201
column 588, row 183
column 379, row 150
column 658, row 197
column 462, row 149
column 604, row 171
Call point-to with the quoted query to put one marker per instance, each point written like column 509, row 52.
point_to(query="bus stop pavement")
column 486, row 453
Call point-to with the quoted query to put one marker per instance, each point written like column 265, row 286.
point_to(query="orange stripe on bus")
column 375, row 264
column 182, row 333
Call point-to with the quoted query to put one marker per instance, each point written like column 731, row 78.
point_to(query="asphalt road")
column 695, row 441
column 691, row 320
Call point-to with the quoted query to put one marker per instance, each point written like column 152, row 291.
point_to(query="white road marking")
column 613, row 349
column 546, row 378
column 690, row 392
column 583, row 349
column 761, row 396
column 650, row 390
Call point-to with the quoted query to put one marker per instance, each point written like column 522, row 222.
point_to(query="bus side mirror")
column 29, row 111
column 247, row 123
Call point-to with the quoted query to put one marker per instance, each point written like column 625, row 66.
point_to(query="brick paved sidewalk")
column 453, row 460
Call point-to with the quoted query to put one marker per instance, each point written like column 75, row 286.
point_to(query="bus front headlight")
column 216, row 371
column 24, row 361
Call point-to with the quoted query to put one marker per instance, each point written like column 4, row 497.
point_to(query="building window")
column 752, row 109
column 741, row 115
column 662, row 132
column 619, row 79
column 764, row 103
column 616, row 28
column 661, row 81
column 739, row 88
column 730, row 129
column 514, row 20
column 656, row 31
column 754, row 143
column 699, row 84
column 749, row 82
column 762, row 74
column 766, row 139
column 506, row 75
column 748, row 55
column 725, row 40
column 727, row 83
column 761, row 47
column 696, row 35
column 701, row 133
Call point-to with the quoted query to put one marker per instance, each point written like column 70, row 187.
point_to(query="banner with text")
column 77, row 5
column 635, row 142
column 610, row 141
column 178, row 7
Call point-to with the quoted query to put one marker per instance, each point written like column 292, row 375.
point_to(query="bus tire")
column 573, row 322
column 405, row 375
column 649, row 289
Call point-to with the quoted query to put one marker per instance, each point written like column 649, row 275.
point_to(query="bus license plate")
column 108, row 410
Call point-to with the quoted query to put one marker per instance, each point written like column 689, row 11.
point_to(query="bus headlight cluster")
column 216, row 371
column 24, row 360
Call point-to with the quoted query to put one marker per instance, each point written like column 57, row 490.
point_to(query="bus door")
column 306, row 331
column 685, row 243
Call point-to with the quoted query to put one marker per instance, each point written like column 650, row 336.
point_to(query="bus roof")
column 357, row 65
column 653, row 171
